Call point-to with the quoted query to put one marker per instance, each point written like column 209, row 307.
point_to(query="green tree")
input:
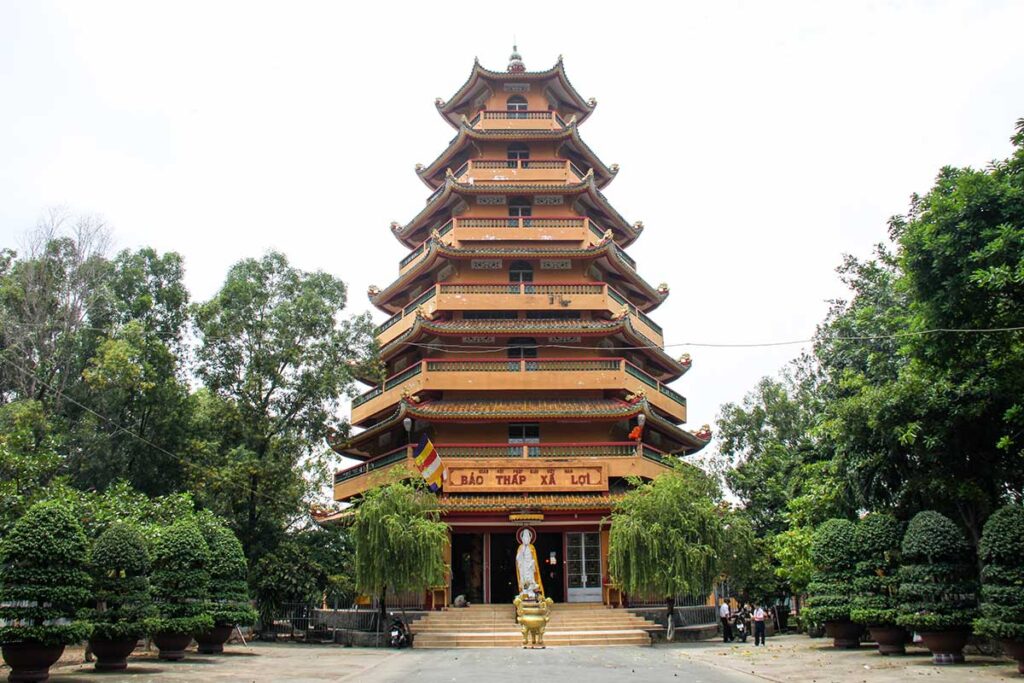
column 275, row 355
column 1002, row 591
column 181, row 579
column 399, row 539
column 229, row 590
column 122, row 605
column 28, row 459
column 667, row 536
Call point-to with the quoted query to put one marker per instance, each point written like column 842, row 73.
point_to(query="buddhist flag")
column 428, row 462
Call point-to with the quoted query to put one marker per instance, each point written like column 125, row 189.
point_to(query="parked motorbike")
column 400, row 635
column 741, row 627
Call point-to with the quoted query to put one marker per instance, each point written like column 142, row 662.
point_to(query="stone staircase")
column 495, row 626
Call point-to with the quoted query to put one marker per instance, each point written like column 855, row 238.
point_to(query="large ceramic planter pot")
column 891, row 639
column 844, row 634
column 212, row 642
column 947, row 647
column 172, row 645
column 30, row 661
column 1014, row 649
column 112, row 655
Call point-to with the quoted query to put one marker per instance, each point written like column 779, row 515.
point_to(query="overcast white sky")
column 758, row 140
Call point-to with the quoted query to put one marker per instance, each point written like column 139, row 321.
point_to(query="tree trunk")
column 382, row 617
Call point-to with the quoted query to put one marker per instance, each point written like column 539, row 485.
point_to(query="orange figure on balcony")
column 519, row 342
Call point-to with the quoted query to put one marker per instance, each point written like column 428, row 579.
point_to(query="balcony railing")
column 408, row 310
column 565, row 168
column 526, row 119
column 572, row 365
column 485, row 451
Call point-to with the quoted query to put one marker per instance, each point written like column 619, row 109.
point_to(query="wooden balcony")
column 485, row 171
column 535, row 374
column 621, row 459
column 524, row 296
column 500, row 119
column 581, row 231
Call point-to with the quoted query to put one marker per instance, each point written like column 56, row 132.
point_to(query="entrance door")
column 583, row 565
column 468, row 566
column 551, row 563
column 504, row 585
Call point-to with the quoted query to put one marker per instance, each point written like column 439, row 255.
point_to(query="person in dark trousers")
column 759, row 616
column 725, row 613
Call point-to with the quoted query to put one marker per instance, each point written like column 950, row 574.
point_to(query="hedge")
column 1002, row 593
column 937, row 589
column 834, row 554
column 119, row 563
column 181, row 579
column 878, row 537
column 43, row 581
column 229, row 592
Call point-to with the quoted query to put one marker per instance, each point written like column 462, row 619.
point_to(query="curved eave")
column 586, row 190
column 429, row 412
column 437, row 249
column 432, row 174
column 479, row 76
column 590, row 328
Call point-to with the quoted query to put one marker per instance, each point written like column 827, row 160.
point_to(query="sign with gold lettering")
column 505, row 477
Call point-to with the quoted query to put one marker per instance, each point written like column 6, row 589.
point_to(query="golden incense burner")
column 533, row 615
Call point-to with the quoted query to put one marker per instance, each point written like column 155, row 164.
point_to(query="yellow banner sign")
column 504, row 479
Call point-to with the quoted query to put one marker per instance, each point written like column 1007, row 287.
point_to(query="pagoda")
column 519, row 341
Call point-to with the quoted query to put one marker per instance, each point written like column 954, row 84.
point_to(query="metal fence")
column 697, row 599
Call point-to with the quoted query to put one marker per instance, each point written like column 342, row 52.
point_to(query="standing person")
column 724, row 613
column 759, row 615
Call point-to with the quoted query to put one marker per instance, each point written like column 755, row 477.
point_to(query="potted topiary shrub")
column 43, row 586
column 180, row 583
column 1002, row 590
column 834, row 554
column 229, row 592
column 122, row 606
column 938, row 591
column 874, row 602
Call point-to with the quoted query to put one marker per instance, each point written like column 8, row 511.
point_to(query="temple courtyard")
column 786, row 658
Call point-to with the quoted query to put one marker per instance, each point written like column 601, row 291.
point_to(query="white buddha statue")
column 527, row 570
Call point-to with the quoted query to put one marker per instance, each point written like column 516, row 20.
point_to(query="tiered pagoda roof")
column 572, row 145
column 451, row 195
column 610, row 253
column 560, row 92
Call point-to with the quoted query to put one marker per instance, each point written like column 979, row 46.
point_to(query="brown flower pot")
column 212, row 642
column 30, row 662
column 172, row 645
column 947, row 647
column 112, row 655
column 844, row 634
column 891, row 639
column 1014, row 649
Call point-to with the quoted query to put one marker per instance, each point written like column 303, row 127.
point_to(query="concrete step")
column 515, row 639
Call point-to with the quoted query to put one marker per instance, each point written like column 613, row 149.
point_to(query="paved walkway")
column 786, row 658
column 799, row 659
column 316, row 663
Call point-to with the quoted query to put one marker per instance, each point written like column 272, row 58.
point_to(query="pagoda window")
column 490, row 315
column 520, row 271
column 522, row 347
column 517, row 105
column 519, row 207
column 518, row 151
column 524, row 432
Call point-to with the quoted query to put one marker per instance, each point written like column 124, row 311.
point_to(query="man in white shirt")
column 759, row 615
column 725, row 612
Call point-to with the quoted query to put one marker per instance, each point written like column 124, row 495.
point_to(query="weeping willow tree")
column 667, row 536
column 399, row 539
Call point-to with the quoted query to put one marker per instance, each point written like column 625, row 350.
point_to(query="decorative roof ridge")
column 587, row 186
column 633, row 406
column 570, row 131
column 606, row 247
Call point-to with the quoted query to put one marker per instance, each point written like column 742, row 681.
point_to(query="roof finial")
column 515, row 61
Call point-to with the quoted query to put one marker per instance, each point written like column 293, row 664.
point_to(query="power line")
column 476, row 348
